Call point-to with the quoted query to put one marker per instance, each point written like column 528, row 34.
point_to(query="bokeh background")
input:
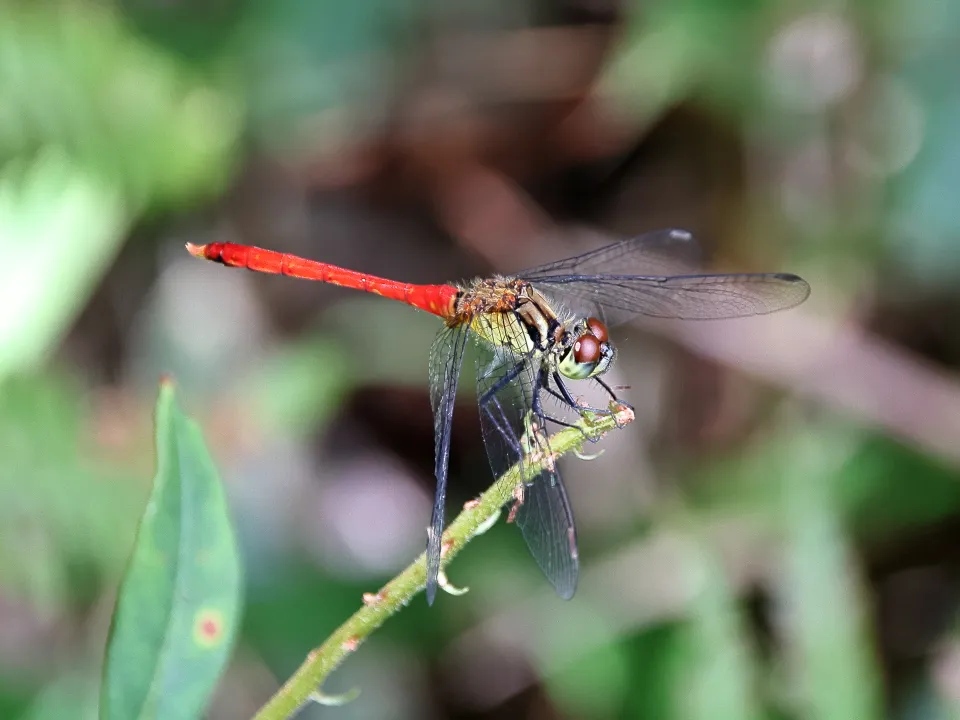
column 777, row 534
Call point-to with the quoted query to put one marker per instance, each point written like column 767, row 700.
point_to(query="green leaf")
column 179, row 604
column 59, row 229
column 719, row 668
column 823, row 606
column 597, row 684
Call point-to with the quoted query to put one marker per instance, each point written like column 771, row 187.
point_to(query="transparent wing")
column 655, row 275
column 511, row 430
column 662, row 252
column 446, row 358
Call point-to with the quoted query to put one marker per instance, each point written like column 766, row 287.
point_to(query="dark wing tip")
column 800, row 286
column 791, row 278
column 431, row 591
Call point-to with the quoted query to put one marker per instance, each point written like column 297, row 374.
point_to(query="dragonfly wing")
column 662, row 252
column 446, row 358
column 686, row 297
column 545, row 519
column 506, row 384
column 655, row 275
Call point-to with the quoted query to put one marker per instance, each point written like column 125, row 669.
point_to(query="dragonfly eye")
column 589, row 356
column 586, row 349
column 598, row 329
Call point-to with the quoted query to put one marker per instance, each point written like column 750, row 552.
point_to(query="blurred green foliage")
column 73, row 524
column 59, row 228
column 74, row 77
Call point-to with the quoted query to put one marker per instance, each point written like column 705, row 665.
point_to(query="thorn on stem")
column 445, row 546
column 518, row 498
column 372, row 599
column 486, row 524
column 585, row 456
column 449, row 587
column 321, row 698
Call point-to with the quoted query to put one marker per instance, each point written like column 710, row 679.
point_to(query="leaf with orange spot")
column 178, row 607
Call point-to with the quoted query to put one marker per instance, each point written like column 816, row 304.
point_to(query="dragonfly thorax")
column 511, row 313
column 578, row 350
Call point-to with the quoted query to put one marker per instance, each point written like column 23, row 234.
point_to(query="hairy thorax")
column 490, row 295
column 509, row 313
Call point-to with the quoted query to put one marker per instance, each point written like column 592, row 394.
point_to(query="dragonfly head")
column 590, row 354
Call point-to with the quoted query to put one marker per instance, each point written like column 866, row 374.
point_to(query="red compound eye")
column 598, row 329
column 586, row 349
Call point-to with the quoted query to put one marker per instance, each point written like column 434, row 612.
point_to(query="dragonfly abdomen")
column 436, row 299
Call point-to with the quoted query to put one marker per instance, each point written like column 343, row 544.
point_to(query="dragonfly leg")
column 495, row 413
column 613, row 395
column 544, row 384
column 501, row 423
column 564, row 423
column 579, row 407
column 508, row 377
column 553, row 393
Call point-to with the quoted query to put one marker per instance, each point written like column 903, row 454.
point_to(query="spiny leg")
column 489, row 398
column 613, row 395
column 543, row 383
column 507, row 378
column 564, row 423
column 491, row 408
column 568, row 398
column 574, row 406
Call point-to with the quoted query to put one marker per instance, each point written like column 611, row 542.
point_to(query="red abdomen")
column 436, row 299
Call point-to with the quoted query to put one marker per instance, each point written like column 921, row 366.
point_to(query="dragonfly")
column 536, row 333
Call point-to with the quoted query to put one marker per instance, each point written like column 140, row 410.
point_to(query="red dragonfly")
column 537, row 331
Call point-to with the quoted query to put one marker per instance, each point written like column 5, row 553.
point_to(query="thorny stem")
column 320, row 662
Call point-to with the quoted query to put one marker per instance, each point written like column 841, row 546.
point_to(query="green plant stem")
column 320, row 662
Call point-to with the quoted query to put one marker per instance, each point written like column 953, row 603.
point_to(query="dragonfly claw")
column 449, row 587
column 619, row 407
column 625, row 413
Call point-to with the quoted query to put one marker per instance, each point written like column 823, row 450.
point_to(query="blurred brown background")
column 777, row 534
